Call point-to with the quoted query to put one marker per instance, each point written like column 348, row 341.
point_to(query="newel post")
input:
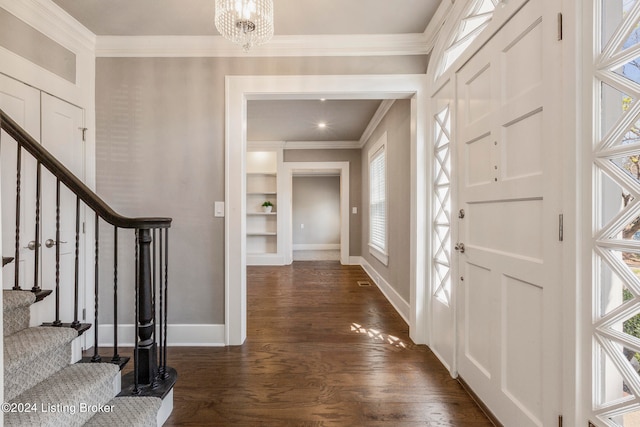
column 147, row 347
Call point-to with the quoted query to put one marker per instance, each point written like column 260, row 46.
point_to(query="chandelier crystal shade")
column 246, row 22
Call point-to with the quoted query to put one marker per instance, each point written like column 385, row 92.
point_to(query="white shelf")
column 262, row 227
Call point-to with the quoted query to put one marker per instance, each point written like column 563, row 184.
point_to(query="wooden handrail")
column 90, row 198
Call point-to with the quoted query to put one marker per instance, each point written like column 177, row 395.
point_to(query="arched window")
column 476, row 19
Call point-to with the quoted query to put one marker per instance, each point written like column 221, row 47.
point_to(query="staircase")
column 46, row 381
column 43, row 388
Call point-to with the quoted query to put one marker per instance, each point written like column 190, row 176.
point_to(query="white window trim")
column 381, row 254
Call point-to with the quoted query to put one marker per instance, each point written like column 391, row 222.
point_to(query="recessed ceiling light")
column 322, row 125
column 323, row 99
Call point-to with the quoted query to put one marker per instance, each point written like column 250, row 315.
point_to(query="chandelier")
column 246, row 22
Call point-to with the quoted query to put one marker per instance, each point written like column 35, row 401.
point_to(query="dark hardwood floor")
column 320, row 351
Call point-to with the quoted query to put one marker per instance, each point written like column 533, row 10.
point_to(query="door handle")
column 31, row 245
column 51, row 243
column 459, row 247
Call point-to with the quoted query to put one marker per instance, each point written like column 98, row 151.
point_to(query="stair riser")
column 15, row 320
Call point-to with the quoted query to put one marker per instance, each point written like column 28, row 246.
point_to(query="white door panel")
column 22, row 104
column 508, row 165
column 62, row 125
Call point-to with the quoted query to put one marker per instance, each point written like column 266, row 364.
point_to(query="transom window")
column 475, row 20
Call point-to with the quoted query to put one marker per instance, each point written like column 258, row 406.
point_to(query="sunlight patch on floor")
column 378, row 335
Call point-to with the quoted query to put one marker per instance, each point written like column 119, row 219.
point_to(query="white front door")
column 509, row 170
column 22, row 104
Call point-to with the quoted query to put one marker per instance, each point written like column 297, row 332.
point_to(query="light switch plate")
column 219, row 210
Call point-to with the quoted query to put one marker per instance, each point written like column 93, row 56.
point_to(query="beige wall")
column 355, row 187
column 397, row 125
column 160, row 151
column 34, row 46
column 316, row 205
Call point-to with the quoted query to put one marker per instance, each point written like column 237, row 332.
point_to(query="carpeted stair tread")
column 16, row 299
column 32, row 354
column 128, row 411
column 25, row 345
column 67, row 398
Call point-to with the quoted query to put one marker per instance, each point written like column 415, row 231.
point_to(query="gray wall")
column 316, row 205
column 397, row 124
column 160, row 152
column 355, row 186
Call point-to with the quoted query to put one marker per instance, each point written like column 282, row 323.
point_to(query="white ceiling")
column 291, row 17
column 271, row 120
column 345, row 120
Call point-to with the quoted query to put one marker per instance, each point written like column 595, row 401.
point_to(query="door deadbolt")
column 459, row 247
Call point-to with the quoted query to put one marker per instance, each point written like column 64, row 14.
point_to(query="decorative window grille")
column 476, row 19
column 442, row 207
column 616, row 214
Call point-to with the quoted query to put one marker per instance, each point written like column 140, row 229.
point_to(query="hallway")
column 321, row 350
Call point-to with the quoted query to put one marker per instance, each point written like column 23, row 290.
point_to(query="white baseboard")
column 355, row 260
column 317, row 247
column 402, row 307
column 177, row 335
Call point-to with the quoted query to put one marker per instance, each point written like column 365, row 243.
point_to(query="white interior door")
column 509, row 187
column 22, row 104
column 62, row 125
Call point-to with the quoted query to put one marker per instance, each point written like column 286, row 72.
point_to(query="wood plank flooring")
column 320, row 351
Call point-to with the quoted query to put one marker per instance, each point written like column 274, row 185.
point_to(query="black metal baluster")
column 96, row 357
column 76, row 323
column 165, row 374
column 116, row 356
column 160, row 329
column 57, row 322
column 16, row 284
column 154, row 273
column 136, row 390
column 36, row 258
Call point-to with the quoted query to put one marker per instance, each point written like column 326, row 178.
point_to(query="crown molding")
column 321, row 145
column 52, row 21
column 265, row 145
column 278, row 46
column 381, row 112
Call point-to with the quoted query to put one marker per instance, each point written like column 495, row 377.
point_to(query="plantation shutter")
column 377, row 201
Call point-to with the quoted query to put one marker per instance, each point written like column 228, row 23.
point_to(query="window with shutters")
column 378, row 200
